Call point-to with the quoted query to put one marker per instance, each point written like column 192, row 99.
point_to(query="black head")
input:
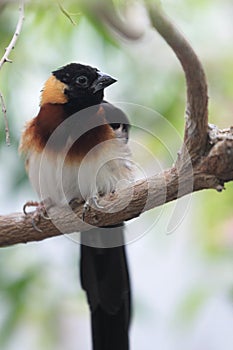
column 85, row 85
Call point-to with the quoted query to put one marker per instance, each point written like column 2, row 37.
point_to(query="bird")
column 76, row 149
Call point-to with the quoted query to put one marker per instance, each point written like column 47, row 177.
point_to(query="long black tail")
column 105, row 278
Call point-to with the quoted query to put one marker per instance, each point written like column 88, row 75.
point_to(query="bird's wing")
column 118, row 120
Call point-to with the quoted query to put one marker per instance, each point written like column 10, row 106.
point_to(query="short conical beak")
column 102, row 82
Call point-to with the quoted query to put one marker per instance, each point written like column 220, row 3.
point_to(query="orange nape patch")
column 53, row 92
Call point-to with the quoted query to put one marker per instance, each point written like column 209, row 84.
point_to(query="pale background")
column 182, row 281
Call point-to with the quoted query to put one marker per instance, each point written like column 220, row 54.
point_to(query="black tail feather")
column 105, row 278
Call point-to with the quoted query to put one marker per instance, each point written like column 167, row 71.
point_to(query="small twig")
column 10, row 47
column 2, row 102
column 5, row 58
column 66, row 13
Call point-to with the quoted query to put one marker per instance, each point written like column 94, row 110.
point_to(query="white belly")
column 99, row 172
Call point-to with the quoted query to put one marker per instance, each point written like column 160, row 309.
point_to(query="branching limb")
column 5, row 59
column 211, row 173
column 11, row 46
column 209, row 149
column 195, row 138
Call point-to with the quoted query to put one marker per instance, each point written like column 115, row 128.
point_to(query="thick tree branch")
column 214, row 169
column 195, row 137
column 204, row 162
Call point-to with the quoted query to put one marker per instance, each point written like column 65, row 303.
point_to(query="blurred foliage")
column 192, row 304
column 14, row 292
column 215, row 214
column 148, row 75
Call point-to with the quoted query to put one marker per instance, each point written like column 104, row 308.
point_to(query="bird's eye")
column 82, row 80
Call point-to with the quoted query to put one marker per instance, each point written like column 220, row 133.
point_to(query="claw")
column 39, row 213
column 34, row 225
column 30, row 204
column 44, row 216
column 87, row 205
column 74, row 202
column 95, row 201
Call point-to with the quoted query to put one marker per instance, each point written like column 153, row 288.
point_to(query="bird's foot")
column 89, row 202
column 92, row 201
column 39, row 213
column 74, row 202
column 77, row 201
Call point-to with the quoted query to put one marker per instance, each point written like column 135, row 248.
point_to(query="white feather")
column 101, row 169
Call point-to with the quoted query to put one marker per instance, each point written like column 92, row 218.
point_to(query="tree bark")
column 205, row 161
